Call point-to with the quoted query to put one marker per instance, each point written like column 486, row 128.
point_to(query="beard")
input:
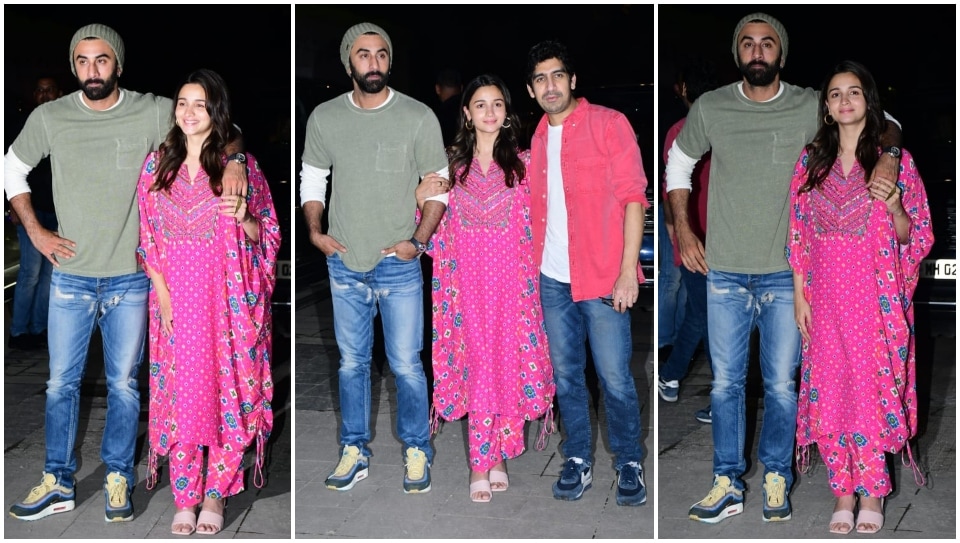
column 760, row 77
column 107, row 86
column 368, row 86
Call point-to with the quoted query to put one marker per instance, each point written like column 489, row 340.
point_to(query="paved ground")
column 685, row 449
column 255, row 513
column 377, row 506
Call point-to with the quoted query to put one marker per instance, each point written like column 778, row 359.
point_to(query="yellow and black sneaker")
column 47, row 498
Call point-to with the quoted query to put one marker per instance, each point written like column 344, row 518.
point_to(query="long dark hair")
column 822, row 151
column 504, row 149
column 173, row 150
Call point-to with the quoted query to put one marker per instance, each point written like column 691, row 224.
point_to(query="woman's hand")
column 803, row 314
column 887, row 191
column 234, row 205
column 166, row 311
column 431, row 185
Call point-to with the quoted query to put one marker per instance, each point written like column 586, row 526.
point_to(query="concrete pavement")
column 378, row 508
column 685, row 449
column 254, row 513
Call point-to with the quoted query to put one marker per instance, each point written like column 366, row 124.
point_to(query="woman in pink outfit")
column 211, row 259
column 490, row 355
column 855, row 248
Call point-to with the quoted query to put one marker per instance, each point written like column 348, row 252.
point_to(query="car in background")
column 928, row 117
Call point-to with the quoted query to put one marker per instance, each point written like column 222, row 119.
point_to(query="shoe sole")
column 777, row 519
column 570, row 497
column 118, row 519
column 728, row 511
column 629, row 503
column 667, row 398
column 417, row 490
column 52, row 509
column 357, row 477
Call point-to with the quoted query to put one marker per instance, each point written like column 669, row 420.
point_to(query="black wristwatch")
column 420, row 247
column 893, row 151
column 239, row 157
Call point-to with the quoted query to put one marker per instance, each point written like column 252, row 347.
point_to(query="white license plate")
column 941, row 268
column 283, row 269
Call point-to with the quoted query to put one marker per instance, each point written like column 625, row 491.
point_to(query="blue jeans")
column 692, row 330
column 396, row 286
column 569, row 325
column 671, row 293
column 118, row 305
column 736, row 303
column 31, row 296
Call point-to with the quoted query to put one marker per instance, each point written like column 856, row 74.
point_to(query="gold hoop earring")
column 828, row 120
column 468, row 125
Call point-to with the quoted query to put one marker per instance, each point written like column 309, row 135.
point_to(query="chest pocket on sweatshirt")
column 391, row 157
column 787, row 146
column 131, row 152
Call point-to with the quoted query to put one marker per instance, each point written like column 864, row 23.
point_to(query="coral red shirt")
column 602, row 173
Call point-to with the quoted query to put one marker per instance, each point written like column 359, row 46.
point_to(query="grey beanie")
column 102, row 32
column 355, row 32
column 777, row 27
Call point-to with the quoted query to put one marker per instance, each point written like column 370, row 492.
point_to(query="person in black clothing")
column 448, row 89
column 31, row 296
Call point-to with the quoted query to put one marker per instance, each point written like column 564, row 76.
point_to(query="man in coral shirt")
column 587, row 185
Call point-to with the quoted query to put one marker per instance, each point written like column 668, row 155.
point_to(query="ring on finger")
column 892, row 192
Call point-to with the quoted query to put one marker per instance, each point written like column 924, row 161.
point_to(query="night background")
column 610, row 44
column 612, row 48
column 910, row 52
column 248, row 46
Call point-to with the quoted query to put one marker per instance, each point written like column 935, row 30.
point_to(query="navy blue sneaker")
column 705, row 415
column 116, row 493
column 416, row 478
column 630, row 488
column 724, row 500
column 669, row 390
column 45, row 499
column 352, row 467
column 575, row 479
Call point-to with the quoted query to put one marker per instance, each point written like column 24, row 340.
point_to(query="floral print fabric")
column 858, row 372
column 210, row 380
column 490, row 352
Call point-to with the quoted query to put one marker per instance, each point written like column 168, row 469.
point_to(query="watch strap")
column 418, row 245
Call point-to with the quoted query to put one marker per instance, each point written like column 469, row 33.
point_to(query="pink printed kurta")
column 210, row 380
column 490, row 352
column 858, row 372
